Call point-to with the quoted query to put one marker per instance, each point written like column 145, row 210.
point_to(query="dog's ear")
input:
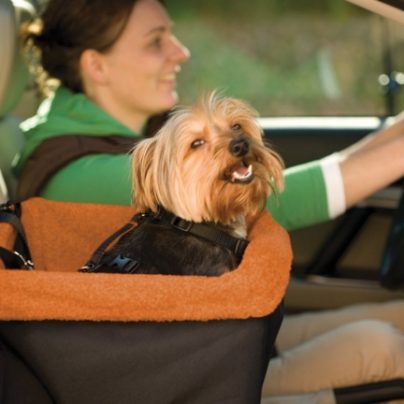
column 276, row 169
column 275, row 166
column 143, row 175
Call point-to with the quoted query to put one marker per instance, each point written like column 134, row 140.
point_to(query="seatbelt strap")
column 20, row 256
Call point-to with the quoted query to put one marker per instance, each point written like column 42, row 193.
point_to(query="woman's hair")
column 67, row 28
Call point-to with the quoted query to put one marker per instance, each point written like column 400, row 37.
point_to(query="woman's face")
column 143, row 63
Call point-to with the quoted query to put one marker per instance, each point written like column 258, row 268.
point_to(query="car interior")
column 358, row 257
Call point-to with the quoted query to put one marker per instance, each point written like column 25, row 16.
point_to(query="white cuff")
column 334, row 185
column 3, row 189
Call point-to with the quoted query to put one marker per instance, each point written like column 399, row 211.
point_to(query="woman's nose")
column 180, row 53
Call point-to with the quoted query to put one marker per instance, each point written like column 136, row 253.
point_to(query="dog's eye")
column 236, row 126
column 197, row 143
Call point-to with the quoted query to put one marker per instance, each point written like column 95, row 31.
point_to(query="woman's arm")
column 374, row 162
column 303, row 201
column 323, row 189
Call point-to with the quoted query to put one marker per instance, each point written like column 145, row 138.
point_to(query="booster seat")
column 72, row 337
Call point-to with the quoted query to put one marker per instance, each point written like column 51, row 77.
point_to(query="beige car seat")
column 14, row 78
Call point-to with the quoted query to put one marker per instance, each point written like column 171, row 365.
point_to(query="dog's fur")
column 208, row 163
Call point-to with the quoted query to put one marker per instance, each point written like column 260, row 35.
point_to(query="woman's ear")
column 93, row 68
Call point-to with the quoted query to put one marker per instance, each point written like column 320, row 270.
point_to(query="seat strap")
column 20, row 256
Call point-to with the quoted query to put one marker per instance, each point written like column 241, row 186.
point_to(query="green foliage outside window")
column 288, row 57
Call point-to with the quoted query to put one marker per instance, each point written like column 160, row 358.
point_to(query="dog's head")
column 207, row 163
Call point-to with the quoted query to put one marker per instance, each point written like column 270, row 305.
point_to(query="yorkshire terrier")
column 196, row 182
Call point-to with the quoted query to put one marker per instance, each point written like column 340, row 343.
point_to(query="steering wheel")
column 392, row 268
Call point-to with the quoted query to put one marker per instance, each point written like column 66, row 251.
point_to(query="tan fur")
column 191, row 182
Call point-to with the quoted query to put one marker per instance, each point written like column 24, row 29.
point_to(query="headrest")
column 13, row 70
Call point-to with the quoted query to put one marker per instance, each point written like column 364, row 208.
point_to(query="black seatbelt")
column 20, row 256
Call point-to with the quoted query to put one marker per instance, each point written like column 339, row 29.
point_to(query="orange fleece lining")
column 62, row 236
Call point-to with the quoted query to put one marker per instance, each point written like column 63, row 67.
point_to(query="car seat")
column 14, row 78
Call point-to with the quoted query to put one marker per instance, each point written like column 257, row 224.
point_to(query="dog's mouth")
column 242, row 173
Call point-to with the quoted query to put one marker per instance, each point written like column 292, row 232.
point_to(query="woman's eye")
column 156, row 43
column 197, row 143
column 236, row 126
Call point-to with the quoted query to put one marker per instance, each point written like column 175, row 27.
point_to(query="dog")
column 196, row 182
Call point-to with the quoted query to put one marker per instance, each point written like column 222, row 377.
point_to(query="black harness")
column 205, row 230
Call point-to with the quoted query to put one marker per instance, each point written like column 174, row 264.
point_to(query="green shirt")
column 105, row 178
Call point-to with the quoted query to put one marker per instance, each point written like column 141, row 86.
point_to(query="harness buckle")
column 181, row 224
column 124, row 264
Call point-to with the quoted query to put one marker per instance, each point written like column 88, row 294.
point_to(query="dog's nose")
column 239, row 147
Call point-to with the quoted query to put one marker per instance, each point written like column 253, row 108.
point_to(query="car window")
column 286, row 57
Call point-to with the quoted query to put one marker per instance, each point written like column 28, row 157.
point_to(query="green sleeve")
column 104, row 178
column 304, row 200
column 97, row 178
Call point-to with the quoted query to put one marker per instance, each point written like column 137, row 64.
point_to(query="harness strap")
column 206, row 230
column 123, row 264
column 20, row 257
column 93, row 263
column 12, row 259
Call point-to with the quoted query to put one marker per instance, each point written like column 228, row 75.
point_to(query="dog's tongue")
column 241, row 173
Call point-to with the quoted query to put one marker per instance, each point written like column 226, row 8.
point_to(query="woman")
column 117, row 63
